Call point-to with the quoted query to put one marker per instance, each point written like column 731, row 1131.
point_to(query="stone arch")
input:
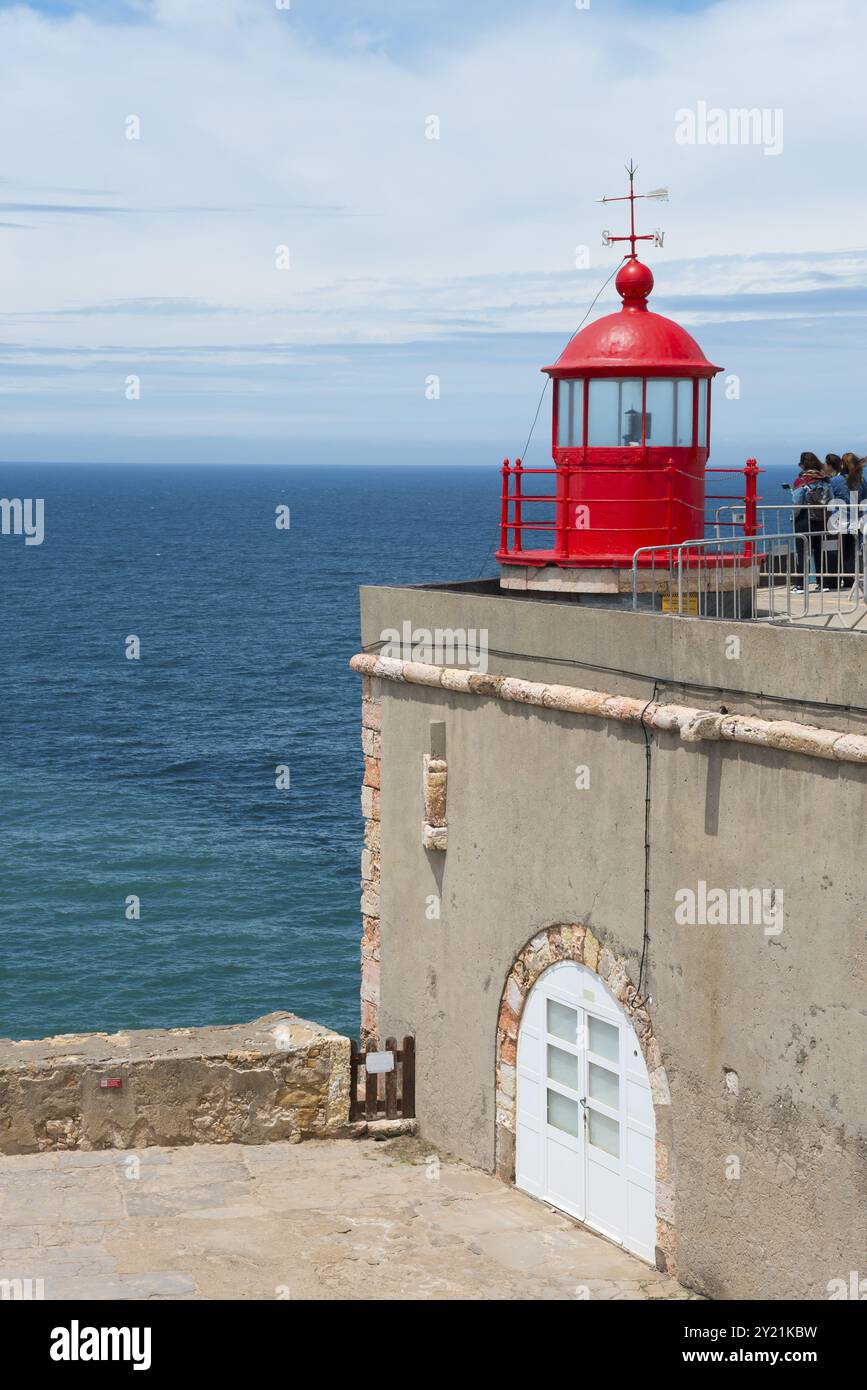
column 578, row 943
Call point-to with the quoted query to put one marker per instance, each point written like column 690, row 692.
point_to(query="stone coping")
column 692, row 724
column 274, row 1033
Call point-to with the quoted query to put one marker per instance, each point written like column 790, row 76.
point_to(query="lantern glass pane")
column 702, row 413
column 570, row 414
column 603, row 421
column 683, row 421
column 660, row 411
column 630, row 411
column 615, row 412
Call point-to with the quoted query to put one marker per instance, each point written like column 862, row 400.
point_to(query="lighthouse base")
column 721, row 591
column 556, row 579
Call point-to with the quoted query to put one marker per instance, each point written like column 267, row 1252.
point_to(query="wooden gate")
column 384, row 1090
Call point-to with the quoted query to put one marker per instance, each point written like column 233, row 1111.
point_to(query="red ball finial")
column 634, row 283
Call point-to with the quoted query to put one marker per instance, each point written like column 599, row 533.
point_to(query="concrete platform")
column 324, row 1219
column 832, row 610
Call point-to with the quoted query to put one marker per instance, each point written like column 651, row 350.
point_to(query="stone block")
column 370, row 899
column 606, row 963
column 371, row 743
column 371, row 715
column 506, row 1081
column 248, row 1084
column 665, row 1247
column 435, row 789
column 435, row 837
column 369, row 866
column 371, row 932
column 659, row 1087
column 591, row 950
column 514, row 996
column 369, row 1017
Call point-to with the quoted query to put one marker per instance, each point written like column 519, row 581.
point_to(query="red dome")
column 633, row 341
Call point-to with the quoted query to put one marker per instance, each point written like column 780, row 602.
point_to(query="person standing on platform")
column 837, row 520
column 810, row 494
column 850, row 486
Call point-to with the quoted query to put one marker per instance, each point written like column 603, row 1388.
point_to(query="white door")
column 585, row 1123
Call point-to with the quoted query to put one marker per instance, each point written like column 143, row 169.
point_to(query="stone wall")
column 371, row 744
column 276, row 1078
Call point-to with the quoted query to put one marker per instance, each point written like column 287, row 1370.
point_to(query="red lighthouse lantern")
column 631, row 440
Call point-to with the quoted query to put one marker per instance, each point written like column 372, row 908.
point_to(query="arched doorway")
column 585, row 1127
column 577, row 944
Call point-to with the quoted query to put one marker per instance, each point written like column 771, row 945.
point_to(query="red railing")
column 513, row 499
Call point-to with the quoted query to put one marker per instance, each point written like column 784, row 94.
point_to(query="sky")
column 283, row 265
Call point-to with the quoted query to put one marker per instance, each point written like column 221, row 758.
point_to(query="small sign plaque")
column 376, row 1062
column 685, row 603
column 110, row 1083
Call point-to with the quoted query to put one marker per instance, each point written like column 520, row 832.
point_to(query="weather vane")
column 659, row 194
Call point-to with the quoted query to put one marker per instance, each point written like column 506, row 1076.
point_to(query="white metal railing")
column 773, row 576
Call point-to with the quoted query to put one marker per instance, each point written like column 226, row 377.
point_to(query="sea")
column 180, row 763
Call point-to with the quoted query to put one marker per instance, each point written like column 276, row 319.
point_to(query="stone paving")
column 326, row 1219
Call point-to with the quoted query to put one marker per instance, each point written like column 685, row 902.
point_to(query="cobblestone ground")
column 345, row 1219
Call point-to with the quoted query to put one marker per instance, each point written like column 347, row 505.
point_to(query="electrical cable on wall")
column 648, row 746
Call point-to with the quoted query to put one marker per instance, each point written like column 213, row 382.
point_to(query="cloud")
column 87, row 209
column 306, row 128
column 169, row 308
column 95, row 209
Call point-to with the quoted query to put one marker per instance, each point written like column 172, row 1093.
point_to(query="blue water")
column 156, row 777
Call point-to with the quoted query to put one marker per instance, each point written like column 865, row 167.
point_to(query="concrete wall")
column 787, row 1013
column 277, row 1078
column 542, row 638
